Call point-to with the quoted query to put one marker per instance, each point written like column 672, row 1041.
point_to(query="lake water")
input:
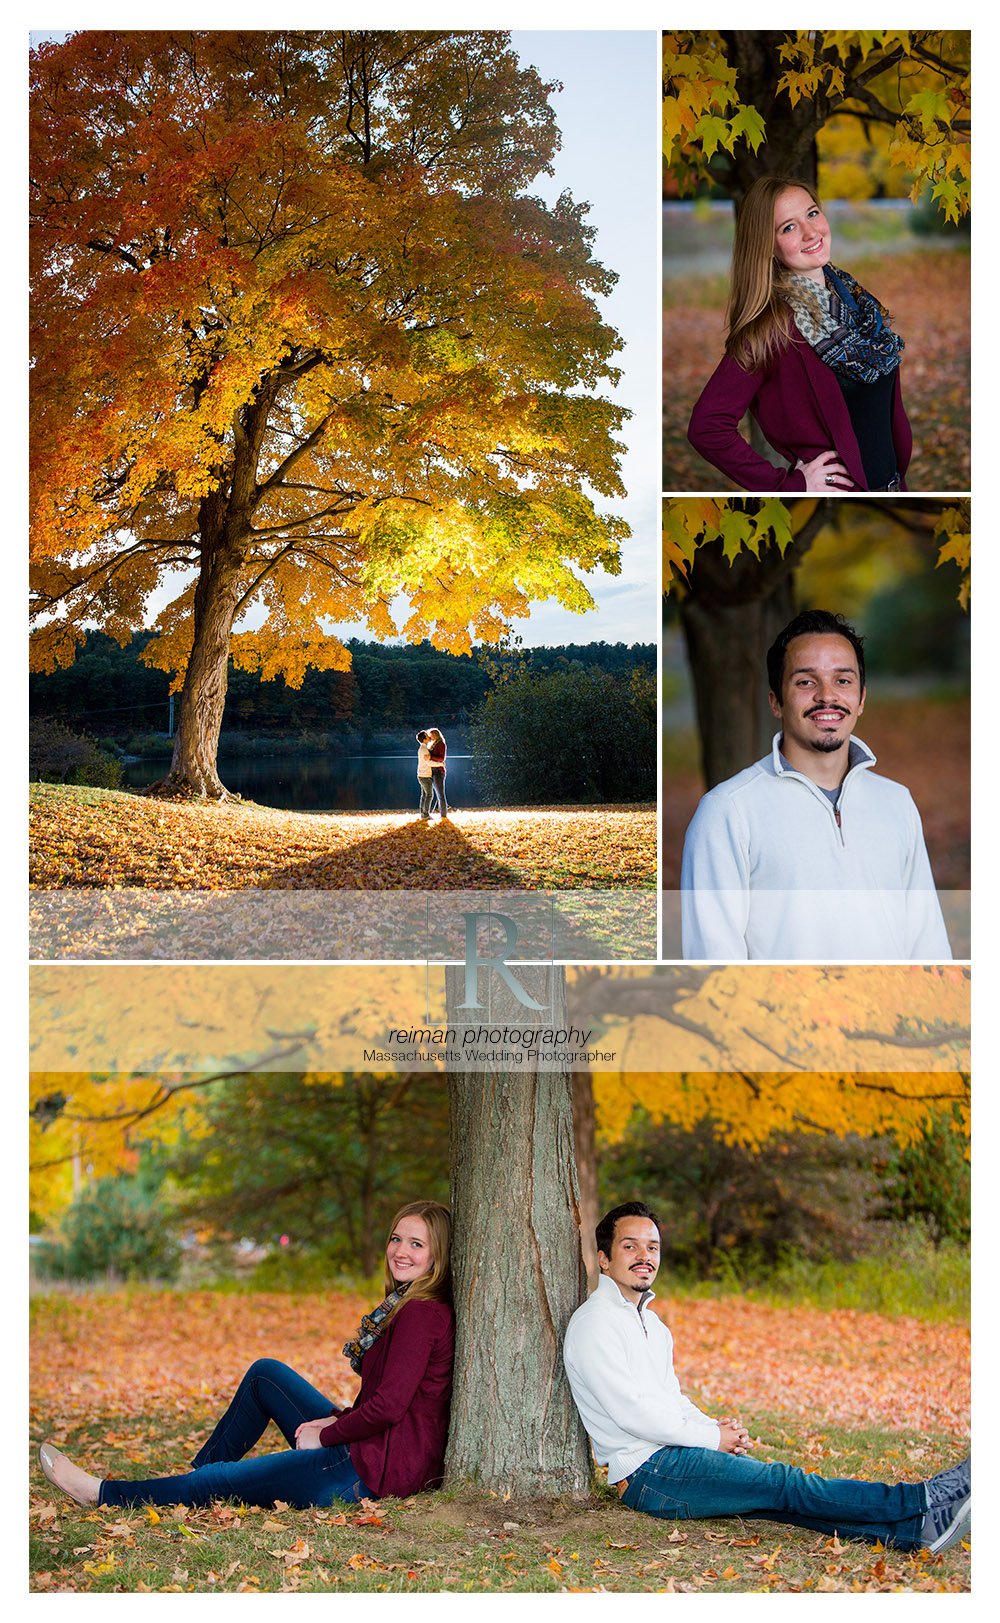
column 319, row 783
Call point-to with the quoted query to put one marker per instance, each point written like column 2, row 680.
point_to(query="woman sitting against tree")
column 391, row 1440
column 810, row 353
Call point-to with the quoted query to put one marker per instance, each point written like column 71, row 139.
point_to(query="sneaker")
column 955, row 1483
column 945, row 1524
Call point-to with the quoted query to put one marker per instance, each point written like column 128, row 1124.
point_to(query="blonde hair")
column 435, row 1284
column 759, row 323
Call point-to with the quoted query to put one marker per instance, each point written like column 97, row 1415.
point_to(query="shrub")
column 115, row 1227
column 57, row 755
column 931, row 1181
column 571, row 735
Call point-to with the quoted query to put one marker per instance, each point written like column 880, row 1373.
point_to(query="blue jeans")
column 682, row 1483
column 426, row 792
column 308, row 1476
column 437, row 783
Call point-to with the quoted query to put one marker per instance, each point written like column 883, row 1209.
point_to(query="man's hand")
column 733, row 1437
column 307, row 1435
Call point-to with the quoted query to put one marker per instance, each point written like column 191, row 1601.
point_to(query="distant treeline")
column 109, row 693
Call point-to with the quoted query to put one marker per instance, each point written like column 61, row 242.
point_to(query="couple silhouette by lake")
column 432, row 754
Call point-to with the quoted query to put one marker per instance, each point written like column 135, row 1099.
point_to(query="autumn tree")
column 731, row 567
column 305, row 348
column 740, row 103
column 325, row 1158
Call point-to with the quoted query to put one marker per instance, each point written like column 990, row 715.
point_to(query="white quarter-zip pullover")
column 773, row 869
column 620, row 1364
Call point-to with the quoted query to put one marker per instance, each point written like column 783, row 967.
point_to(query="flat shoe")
column 52, row 1463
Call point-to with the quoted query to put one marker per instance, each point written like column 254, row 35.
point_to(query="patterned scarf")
column 843, row 323
column 371, row 1327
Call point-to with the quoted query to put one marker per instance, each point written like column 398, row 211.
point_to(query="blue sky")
column 608, row 112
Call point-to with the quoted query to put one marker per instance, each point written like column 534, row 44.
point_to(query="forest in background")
column 109, row 693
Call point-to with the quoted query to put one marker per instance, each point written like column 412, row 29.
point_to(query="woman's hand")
column 307, row 1435
column 824, row 472
column 733, row 1437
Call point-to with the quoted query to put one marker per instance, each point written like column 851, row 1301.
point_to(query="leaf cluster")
column 298, row 326
column 902, row 96
column 750, row 526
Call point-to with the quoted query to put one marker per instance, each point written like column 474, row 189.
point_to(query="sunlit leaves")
column 702, row 110
column 690, row 523
column 736, row 1027
column 355, row 355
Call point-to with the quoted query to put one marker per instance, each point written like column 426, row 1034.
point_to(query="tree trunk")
column 194, row 769
column 517, row 1264
column 371, row 1240
column 585, row 1141
column 224, row 525
column 730, row 617
column 790, row 148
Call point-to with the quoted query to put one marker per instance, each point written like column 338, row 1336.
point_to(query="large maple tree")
column 306, row 347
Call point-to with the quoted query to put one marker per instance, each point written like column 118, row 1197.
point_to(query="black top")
column 870, row 406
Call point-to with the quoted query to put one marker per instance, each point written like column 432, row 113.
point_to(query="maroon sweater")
column 801, row 411
column 397, row 1427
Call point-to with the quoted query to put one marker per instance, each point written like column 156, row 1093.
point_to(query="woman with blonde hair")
column 391, row 1440
column 809, row 352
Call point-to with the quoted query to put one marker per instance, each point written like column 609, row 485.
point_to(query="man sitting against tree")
column 809, row 853
column 668, row 1458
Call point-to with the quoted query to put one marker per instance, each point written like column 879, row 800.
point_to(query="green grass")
column 937, row 1287
column 907, row 1278
column 464, row 1541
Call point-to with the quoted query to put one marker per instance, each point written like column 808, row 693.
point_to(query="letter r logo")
column 497, row 962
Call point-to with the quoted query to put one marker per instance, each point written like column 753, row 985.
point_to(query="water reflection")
column 310, row 782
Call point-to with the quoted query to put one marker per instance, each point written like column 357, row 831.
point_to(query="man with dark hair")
column 809, row 853
column 668, row 1458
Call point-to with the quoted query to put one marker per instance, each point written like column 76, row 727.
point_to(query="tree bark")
column 585, row 1141
column 517, row 1263
column 730, row 615
column 224, row 525
column 194, row 766
column 790, row 148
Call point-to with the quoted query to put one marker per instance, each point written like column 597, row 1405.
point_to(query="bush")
column 571, row 735
column 115, row 1227
column 931, row 1181
column 728, row 1213
column 303, row 1269
column 57, row 755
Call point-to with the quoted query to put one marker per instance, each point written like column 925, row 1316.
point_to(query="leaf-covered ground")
column 927, row 294
column 107, row 839
column 129, row 1382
